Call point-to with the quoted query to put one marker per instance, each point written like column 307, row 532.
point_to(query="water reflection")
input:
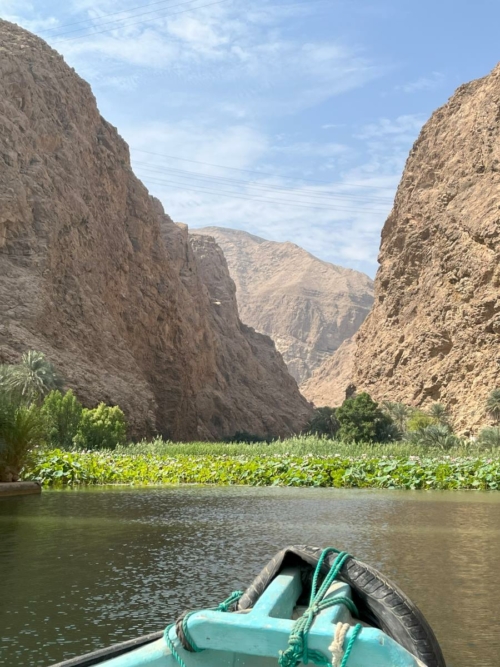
column 84, row 569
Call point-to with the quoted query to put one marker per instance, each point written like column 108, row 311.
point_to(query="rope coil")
column 298, row 649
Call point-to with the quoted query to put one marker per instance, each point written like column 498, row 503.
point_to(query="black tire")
column 387, row 607
column 380, row 602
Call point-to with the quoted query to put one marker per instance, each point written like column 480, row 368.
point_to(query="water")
column 84, row 569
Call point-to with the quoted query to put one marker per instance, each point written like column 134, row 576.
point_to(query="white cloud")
column 400, row 129
column 430, row 82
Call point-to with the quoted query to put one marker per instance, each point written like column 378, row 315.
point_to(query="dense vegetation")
column 56, row 468
column 46, row 434
column 34, row 413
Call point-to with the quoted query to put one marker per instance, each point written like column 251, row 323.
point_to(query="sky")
column 291, row 120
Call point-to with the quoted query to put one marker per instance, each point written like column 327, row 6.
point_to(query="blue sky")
column 293, row 119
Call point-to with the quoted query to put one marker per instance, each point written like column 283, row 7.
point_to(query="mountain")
column 307, row 306
column 97, row 276
column 434, row 331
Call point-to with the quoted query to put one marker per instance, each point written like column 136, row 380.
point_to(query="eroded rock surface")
column 434, row 331
column 307, row 306
column 93, row 273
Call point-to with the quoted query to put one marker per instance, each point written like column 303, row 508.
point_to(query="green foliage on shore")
column 60, row 468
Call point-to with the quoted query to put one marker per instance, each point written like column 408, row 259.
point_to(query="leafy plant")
column 323, row 422
column 436, row 436
column 62, row 414
column 21, row 429
column 361, row 420
column 489, row 437
column 493, row 405
column 103, row 427
column 439, row 414
column 398, row 412
column 419, row 420
column 33, row 378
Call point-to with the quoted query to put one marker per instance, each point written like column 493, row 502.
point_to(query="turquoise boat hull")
column 255, row 637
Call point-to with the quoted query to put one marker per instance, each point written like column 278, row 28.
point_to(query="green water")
column 84, row 569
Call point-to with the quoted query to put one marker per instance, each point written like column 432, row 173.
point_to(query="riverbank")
column 62, row 468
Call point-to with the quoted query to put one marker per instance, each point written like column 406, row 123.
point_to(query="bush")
column 21, row 430
column 361, row 420
column 103, row 427
column 436, row 436
column 62, row 414
column 489, row 437
column 419, row 420
column 323, row 422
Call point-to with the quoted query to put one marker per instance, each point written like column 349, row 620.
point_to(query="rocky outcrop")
column 307, row 306
column 94, row 274
column 328, row 384
column 434, row 331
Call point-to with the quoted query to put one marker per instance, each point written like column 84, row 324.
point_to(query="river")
column 83, row 569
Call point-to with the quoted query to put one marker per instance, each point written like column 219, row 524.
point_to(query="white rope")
column 337, row 646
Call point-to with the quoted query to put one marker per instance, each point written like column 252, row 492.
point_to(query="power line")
column 69, row 39
column 253, row 171
column 249, row 184
column 284, row 202
column 125, row 18
column 103, row 16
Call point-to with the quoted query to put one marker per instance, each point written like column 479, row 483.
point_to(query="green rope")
column 298, row 649
column 223, row 606
column 347, row 653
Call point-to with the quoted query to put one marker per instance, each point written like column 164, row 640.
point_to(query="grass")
column 295, row 462
column 298, row 446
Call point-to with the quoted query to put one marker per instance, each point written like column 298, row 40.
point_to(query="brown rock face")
column 93, row 272
column 327, row 385
column 307, row 306
column 434, row 331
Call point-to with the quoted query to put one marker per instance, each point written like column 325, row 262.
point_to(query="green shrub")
column 419, row 420
column 435, row 436
column 489, row 438
column 21, row 430
column 493, row 404
column 103, row 427
column 323, row 422
column 62, row 414
column 361, row 420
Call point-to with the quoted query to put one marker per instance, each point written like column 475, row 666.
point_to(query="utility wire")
column 128, row 25
column 296, row 192
column 103, row 16
column 284, row 202
column 254, row 171
column 125, row 18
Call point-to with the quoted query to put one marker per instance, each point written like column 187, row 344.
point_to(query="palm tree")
column 493, row 405
column 439, row 413
column 21, row 429
column 33, row 378
column 399, row 413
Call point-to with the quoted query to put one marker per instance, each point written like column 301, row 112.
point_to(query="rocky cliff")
column 93, row 272
column 434, row 331
column 307, row 306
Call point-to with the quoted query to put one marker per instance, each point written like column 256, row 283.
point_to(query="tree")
column 62, row 414
column 103, row 427
column 399, row 413
column 439, row 414
column 33, row 378
column 419, row 420
column 438, row 436
column 362, row 420
column 21, row 429
column 493, row 405
column 323, row 422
